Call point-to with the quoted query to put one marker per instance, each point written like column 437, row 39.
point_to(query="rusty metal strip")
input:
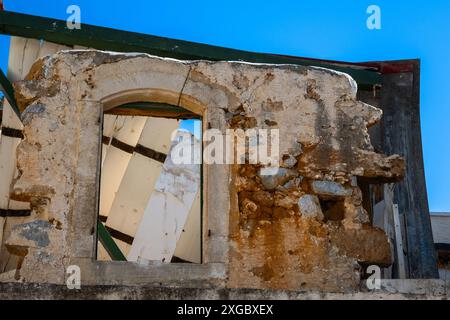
column 122, row 145
column 106, row 140
column 142, row 150
column 116, row 234
column 11, row 132
column 150, row 153
column 14, row 213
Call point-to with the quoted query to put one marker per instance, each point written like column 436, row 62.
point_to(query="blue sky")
column 320, row 29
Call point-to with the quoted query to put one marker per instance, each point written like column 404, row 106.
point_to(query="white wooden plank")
column 126, row 130
column 102, row 254
column 399, row 243
column 48, row 48
column 157, row 134
column 18, row 205
column 32, row 47
column 8, row 148
column 167, row 211
column 123, row 246
column 383, row 219
column 133, row 194
column 16, row 57
column 189, row 245
column 22, row 55
column 140, row 177
column 24, row 52
column 108, row 131
column 109, row 122
column 77, row 47
column 10, row 118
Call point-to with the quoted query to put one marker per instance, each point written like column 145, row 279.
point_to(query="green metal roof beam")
column 8, row 91
column 53, row 30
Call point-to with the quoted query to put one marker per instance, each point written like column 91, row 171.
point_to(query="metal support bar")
column 14, row 213
column 90, row 36
column 8, row 91
column 152, row 109
column 109, row 244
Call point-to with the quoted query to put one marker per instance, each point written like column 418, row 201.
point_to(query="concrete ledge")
column 426, row 287
column 100, row 273
column 28, row 291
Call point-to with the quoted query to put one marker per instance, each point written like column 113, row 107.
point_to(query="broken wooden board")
column 108, row 130
column 8, row 146
column 189, row 245
column 140, row 176
column 167, row 211
column 24, row 52
column 126, row 133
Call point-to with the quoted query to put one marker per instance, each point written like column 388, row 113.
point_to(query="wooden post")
column 401, row 134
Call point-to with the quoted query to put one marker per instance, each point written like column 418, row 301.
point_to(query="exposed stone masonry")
column 301, row 228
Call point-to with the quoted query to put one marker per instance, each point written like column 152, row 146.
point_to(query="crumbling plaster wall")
column 302, row 228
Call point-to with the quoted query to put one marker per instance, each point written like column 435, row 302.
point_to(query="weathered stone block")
column 330, row 189
column 309, row 206
column 282, row 175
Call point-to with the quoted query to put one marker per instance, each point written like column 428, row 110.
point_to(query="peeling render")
column 302, row 228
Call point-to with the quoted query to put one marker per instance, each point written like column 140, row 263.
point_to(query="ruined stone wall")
column 305, row 227
column 301, row 228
